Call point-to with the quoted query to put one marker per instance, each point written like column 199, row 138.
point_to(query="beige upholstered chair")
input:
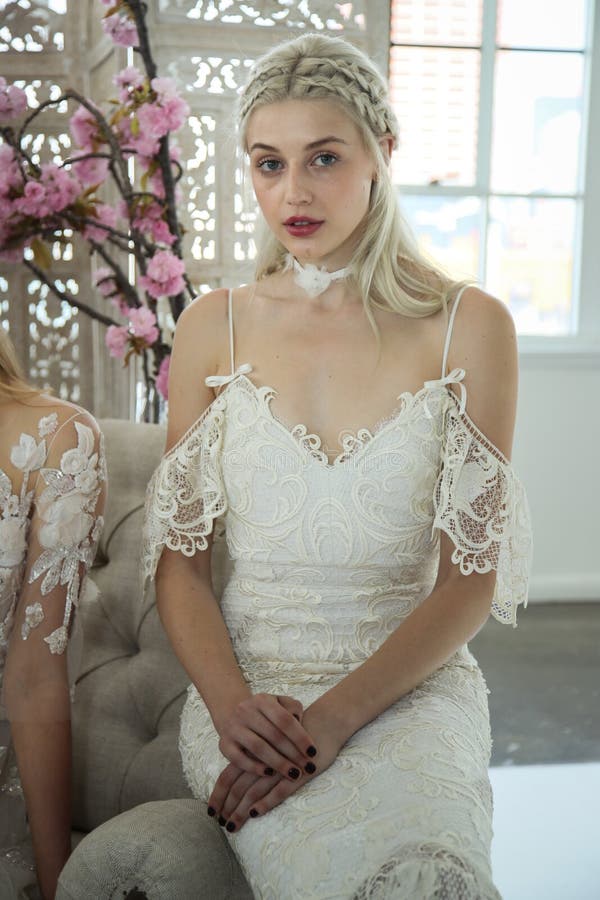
column 126, row 712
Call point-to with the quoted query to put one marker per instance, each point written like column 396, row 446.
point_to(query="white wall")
column 557, row 454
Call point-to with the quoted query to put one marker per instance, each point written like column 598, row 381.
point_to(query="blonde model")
column 348, row 417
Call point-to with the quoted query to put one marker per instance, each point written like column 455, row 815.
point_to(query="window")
column 492, row 98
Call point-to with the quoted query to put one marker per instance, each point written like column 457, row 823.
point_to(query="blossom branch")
column 68, row 298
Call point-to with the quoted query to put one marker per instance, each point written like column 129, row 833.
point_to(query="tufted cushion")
column 131, row 687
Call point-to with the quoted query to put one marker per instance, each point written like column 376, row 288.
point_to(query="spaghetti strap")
column 449, row 331
column 230, row 316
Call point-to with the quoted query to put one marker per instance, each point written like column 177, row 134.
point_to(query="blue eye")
column 328, row 159
column 268, row 165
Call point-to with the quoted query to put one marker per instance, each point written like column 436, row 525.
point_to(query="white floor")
column 547, row 832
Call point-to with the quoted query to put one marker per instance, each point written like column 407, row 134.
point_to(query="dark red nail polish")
column 210, row 811
column 312, row 751
column 310, row 768
column 222, row 822
column 230, row 826
column 294, row 773
column 253, row 813
column 296, row 716
column 269, row 771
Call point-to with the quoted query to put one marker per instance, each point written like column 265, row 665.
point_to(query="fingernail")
column 296, row 716
column 312, row 751
column 294, row 773
column 210, row 811
column 253, row 813
column 222, row 821
column 230, row 826
column 269, row 771
column 310, row 768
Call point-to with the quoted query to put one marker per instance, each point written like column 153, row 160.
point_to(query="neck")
column 313, row 279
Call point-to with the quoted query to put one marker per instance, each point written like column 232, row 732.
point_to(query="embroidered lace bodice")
column 328, row 556
column 49, row 524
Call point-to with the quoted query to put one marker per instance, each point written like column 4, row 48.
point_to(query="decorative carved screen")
column 208, row 46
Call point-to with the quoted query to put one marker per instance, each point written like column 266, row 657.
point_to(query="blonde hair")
column 13, row 385
column 388, row 268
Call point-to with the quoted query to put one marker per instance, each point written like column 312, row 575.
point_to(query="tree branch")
column 68, row 298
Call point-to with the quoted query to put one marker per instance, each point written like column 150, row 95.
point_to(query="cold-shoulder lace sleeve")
column 186, row 492
column 481, row 504
column 65, row 526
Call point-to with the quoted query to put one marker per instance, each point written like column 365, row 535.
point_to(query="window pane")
column 537, row 122
column 542, row 23
column 530, row 262
column 436, row 97
column 436, row 22
column 447, row 230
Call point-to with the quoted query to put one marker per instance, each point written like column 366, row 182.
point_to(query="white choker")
column 311, row 278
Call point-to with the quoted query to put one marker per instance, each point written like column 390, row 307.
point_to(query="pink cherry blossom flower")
column 121, row 30
column 164, row 277
column 175, row 111
column 162, row 379
column 143, row 324
column 106, row 215
column 116, row 339
column 160, row 233
column 9, row 170
column 144, row 144
column 104, row 280
column 128, row 79
column 90, row 171
column 34, row 202
column 152, row 120
column 84, row 128
column 13, row 100
column 121, row 305
column 61, row 187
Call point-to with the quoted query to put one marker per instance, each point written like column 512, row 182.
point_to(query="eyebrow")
column 331, row 139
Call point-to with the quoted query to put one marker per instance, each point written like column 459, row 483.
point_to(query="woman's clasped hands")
column 247, row 788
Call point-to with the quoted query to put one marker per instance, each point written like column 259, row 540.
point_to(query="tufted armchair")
column 128, row 699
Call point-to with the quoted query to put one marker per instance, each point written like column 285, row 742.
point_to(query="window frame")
column 581, row 349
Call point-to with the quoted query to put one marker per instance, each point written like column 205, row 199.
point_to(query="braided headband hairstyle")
column 388, row 268
column 13, row 385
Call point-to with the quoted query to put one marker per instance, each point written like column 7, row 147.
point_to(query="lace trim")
column 186, row 492
column 481, row 505
column 431, row 871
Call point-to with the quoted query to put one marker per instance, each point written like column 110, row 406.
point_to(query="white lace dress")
column 328, row 558
column 51, row 480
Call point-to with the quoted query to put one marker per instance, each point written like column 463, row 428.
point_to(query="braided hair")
column 387, row 266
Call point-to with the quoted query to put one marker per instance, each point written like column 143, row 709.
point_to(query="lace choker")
column 312, row 279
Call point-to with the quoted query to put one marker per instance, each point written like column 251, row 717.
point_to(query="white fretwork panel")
column 33, row 27
column 306, row 14
column 53, row 356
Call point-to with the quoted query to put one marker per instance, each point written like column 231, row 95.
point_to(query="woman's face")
column 312, row 178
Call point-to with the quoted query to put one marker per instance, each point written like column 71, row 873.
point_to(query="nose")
column 297, row 190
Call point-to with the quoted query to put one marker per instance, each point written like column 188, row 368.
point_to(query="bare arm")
column 256, row 732
column 36, row 683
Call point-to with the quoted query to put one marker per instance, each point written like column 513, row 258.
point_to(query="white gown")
column 49, row 526
column 327, row 560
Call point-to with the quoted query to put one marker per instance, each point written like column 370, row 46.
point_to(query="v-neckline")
column 312, row 443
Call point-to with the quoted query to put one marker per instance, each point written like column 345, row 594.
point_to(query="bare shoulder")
column 484, row 333
column 484, row 344
column 200, row 332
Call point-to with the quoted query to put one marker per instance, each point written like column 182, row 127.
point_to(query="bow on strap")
column 454, row 377
column 220, row 380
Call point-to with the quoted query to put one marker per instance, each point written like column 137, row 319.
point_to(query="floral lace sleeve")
column 65, row 527
column 481, row 504
column 186, row 492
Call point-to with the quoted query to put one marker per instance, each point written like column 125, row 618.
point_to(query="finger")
column 284, row 720
column 293, row 706
column 262, row 805
column 246, row 808
column 223, row 785
column 242, row 757
column 235, row 796
column 266, row 742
